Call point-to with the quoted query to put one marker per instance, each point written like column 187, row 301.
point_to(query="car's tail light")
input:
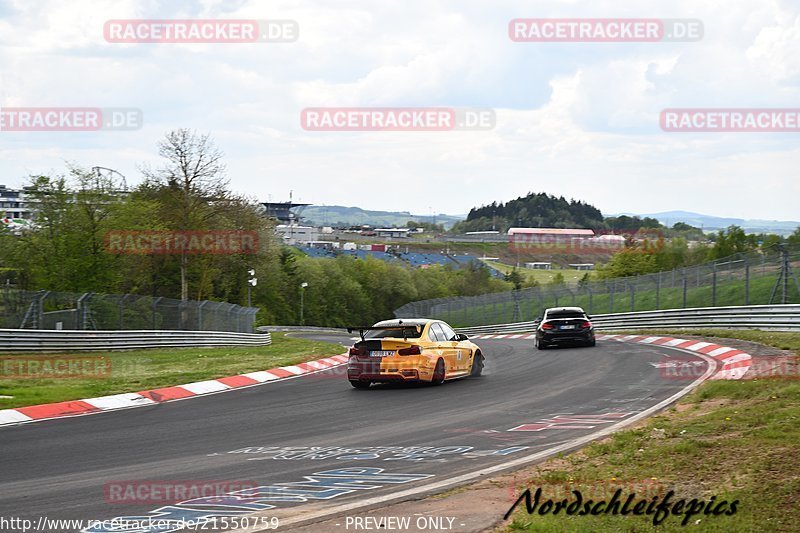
column 358, row 351
column 547, row 325
column 411, row 350
column 586, row 324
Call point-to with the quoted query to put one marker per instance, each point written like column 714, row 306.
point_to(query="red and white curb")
column 733, row 363
column 89, row 406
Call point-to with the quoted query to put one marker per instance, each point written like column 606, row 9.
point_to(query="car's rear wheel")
column 360, row 384
column 438, row 373
column 540, row 345
column 592, row 343
column 477, row 365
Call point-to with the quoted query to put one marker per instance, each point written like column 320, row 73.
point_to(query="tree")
column 794, row 238
column 191, row 186
column 515, row 278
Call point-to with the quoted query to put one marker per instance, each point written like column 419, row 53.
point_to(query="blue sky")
column 573, row 119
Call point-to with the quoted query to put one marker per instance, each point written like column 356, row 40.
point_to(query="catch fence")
column 742, row 279
column 50, row 310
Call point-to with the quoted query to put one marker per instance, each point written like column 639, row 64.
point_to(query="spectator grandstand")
column 415, row 259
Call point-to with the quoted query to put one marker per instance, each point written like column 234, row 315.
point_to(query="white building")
column 293, row 234
column 13, row 205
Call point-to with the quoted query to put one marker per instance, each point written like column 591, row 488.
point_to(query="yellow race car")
column 417, row 349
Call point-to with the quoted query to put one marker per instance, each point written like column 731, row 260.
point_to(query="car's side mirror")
column 461, row 337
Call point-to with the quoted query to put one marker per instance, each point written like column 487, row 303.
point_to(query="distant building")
column 392, row 232
column 539, row 266
column 549, row 240
column 292, row 234
column 13, row 205
column 282, row 211
column 582, row 266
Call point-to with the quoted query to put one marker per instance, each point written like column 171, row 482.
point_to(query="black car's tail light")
column 547, row 325
column 586, row 324
column 358, row 351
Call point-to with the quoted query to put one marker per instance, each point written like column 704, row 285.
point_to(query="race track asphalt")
column 59, row 468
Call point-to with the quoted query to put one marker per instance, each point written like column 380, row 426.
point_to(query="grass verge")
column 735, row 440
column 131, row 371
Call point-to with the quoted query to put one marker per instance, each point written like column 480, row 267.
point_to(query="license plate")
column 380, row 353
column 570, row 326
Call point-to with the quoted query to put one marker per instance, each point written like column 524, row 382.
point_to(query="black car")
column 564, row 325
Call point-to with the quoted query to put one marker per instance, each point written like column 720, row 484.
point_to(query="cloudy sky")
column 573, row 119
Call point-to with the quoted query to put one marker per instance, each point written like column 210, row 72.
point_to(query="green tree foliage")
column 731, row 241
column 533, row 210
column 794, row 238
column 630, row 224
column 515, row 278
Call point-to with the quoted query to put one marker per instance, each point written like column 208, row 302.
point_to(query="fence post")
column 590, row 297
column 155, row 306
column 658, row 291
column 122, row 311
column 714, row 284
column 746, row 281
column 82, row 321
column 200, row 315
column 683, row 280
column 633, row 296
column 611, row 298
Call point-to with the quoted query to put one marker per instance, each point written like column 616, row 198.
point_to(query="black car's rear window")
column 565, row 314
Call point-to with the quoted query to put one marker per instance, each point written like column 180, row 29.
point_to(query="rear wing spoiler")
column 362, row 330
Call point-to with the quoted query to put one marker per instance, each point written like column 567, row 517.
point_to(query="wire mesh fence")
column 742, row 279
column 94, row 311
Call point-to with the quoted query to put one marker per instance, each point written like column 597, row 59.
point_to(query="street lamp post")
column 251, row 283
column 302, row 293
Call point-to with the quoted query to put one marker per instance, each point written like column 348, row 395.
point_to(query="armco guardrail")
column 319, row 329
column 21, row 340
column 765, row 317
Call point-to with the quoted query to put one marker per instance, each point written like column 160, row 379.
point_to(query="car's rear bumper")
column 566, row 338
column 383, row 377
column 377, row 373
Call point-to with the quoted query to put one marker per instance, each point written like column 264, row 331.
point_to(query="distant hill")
column 337, row 215
column 536, row 210
column 713, row 223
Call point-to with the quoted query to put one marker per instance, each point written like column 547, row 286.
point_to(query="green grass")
column 132, row 371
column 736, row 440
column 571, row 275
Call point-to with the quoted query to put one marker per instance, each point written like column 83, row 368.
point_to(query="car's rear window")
column 565, row 314
column 405, row 333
